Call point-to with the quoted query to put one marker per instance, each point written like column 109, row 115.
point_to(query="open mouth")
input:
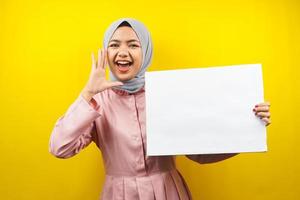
column 123, row 66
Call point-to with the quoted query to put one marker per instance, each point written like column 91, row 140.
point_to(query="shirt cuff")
column 93, row 103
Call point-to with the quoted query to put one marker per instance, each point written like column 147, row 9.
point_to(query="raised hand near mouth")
column 97, row 81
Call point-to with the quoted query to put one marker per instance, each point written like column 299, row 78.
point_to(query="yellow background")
column 45, row 52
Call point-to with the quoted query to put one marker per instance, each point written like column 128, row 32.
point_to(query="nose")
column 123, row 53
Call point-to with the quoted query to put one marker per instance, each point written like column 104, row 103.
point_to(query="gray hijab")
column 143, row 34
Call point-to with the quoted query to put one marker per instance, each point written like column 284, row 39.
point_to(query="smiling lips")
column 123, row 65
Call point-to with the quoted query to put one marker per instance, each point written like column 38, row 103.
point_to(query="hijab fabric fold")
column 136, row 83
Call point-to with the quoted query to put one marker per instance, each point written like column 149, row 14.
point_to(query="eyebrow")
column 132, row 40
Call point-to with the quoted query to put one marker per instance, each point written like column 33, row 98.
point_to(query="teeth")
column 123, row 62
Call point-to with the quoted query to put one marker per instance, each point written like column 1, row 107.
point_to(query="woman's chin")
column 124, row 77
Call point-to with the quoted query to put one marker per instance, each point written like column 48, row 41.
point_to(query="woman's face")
column 124, row 53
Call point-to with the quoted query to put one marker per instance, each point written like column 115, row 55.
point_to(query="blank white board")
column 204, row 110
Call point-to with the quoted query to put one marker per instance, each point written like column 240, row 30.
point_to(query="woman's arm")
column 210, row 158
column 75, row 129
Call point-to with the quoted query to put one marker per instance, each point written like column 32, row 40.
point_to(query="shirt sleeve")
column 75, row 129
column 210, row 158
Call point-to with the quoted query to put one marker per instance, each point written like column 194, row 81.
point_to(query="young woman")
column 112, row 114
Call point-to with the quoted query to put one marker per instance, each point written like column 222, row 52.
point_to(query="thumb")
column 115, row 83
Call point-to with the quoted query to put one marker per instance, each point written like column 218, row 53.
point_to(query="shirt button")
column 135, row 138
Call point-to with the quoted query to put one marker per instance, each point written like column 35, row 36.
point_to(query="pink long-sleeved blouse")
column 115, row 121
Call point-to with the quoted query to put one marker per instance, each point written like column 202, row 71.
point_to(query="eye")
column 133, row 45
column 113, row 45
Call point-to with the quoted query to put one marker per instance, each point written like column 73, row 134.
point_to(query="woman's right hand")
column 97, row 81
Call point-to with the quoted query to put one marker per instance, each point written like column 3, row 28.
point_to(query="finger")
column 261, row 108
column 103, row 59
column 263, row 114
column 93, row 61
column 99, row 58
column 266, row 120
column 263, row 104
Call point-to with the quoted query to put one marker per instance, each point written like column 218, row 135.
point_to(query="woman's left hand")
column 262, row 110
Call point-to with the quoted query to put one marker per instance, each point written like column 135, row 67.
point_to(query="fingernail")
column 256, row 105
column 253, row 109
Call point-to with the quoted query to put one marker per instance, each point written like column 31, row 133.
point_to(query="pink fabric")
column 115, row 121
